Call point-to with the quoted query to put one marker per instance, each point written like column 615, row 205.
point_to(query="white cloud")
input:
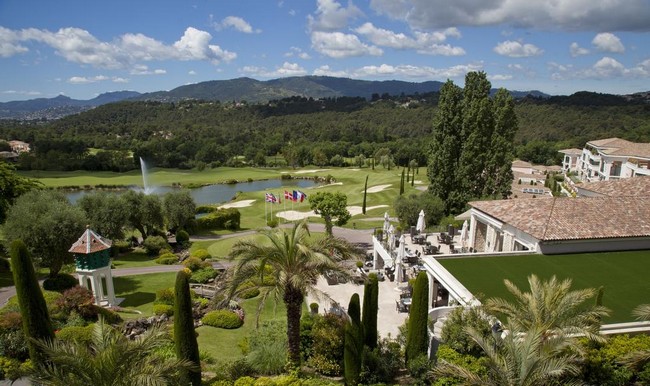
column 118, row 79
column 296, row 51
column 287, row 69
column 79, row 46
column 615, row 15
column 400, row 71
column 605, row 68
column 327, row 71
column 9, row 43
column 499, row 77
column 576, row 50
column 84, row 80
column 236, row 23
column 608, row 42
column 423, row 42
column 20, row 92
column 330, row 15
column 516, row 49
column 141, row 69
column 191, row 72
column 339, row 45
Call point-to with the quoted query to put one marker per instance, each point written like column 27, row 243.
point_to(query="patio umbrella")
column 420, row 225
column 463, row 234
column 401, row 252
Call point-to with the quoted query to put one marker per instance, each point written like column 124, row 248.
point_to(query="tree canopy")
column 330, row 206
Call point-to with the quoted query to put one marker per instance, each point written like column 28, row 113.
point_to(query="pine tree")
column 353, row 347
column 370, row 309
column 476, row 134
column 187, row 347
column 501, row 151
column 33, row 309
column 365, row 193
column 446, row 144
column 417, row 338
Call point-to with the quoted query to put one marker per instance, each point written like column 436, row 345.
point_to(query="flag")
column 288, row 195
column 269, row 197
column 295, row 196
column 301, row 196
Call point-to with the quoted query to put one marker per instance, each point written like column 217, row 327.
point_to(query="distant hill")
column 58, row 107
column 255, row 91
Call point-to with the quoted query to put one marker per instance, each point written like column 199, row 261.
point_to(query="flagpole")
column 266, row 219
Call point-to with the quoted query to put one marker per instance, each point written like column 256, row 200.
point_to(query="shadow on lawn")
column 137, row 299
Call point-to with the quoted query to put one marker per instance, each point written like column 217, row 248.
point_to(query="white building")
column 611, row 158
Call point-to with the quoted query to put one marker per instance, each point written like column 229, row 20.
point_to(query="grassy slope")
column 624, row 275
column 140, row 291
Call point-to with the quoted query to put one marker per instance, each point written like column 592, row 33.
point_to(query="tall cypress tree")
column 401, row 184
column 476, row 134
column 417, row 338
column 446, row 145
column 353, row 345
column 33, row 309
column 365, row 193
column 187, row 347
column 370, row 308
column 502, row 150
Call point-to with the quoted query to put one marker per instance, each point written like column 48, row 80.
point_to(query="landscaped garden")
column 623, row 275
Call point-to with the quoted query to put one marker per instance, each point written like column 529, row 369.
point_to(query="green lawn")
column 624, row 275
column 139, row 291
column 224, row 344
column 135, row 258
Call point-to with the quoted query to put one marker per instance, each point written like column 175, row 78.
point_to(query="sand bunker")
column 237, row 204
column 294, row 215
column 355, row 210
column 324, row 186
column 378, row 188
column 306, row 171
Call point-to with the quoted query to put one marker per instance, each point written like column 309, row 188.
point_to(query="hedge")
column 77, row 334
column 202, row 254
column 60, row 283
column 229, row 218
column 222, row 319
column 203, row 275
column 194, row 264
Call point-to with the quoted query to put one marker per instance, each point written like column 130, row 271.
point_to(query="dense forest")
column 323, row 132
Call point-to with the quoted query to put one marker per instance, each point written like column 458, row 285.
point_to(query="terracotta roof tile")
column 550, row 219
column 572, row 151
column 634, row 187
column 90, row 242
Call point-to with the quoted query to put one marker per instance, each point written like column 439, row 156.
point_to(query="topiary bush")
column 222, row 319
column 154, row 244
column 77, row 334
column 182, row 237
column 167, row 258
column 249, row 293
column 202, row 254
column 203, row 275
column 160, row 309
column 60, row 283
column 194, row 264
column 165, row 296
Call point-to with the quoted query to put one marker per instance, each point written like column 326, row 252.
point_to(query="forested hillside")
column 192, row 133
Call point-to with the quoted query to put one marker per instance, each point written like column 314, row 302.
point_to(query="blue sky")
column 84, row 48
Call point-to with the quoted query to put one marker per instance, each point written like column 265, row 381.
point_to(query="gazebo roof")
column 90, row 242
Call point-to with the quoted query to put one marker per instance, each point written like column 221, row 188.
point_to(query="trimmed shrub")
column 353, row 348
column 202, row 254
column 167, row 259
column 203, row 275
column 370, row 309
column 417, row 340
column 249, row 293
column 193, row 264
column 80, row 300
column 60, row 283
column 182, row 237
column 229, row 218
column 165, row 296
column 154, row 244
column 77, row 334
column 160, row 309
column 186, row 345
column 222, row 319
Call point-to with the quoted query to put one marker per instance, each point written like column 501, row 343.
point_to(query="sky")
column 82, row 48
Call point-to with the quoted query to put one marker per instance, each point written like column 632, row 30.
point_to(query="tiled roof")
column 572, row 151
column 621, row 147
column 90, row 242
column 521, row 164
column 635, row 186
column 554, row 219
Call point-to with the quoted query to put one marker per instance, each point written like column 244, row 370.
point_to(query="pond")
column 218, row 193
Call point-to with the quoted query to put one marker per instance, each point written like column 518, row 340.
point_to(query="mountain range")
column 240, row 89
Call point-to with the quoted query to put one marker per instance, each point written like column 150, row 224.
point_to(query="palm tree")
column 552, row 308
column 287, row 265
column 638, row 359
column 519, row 360
column 110, row 359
